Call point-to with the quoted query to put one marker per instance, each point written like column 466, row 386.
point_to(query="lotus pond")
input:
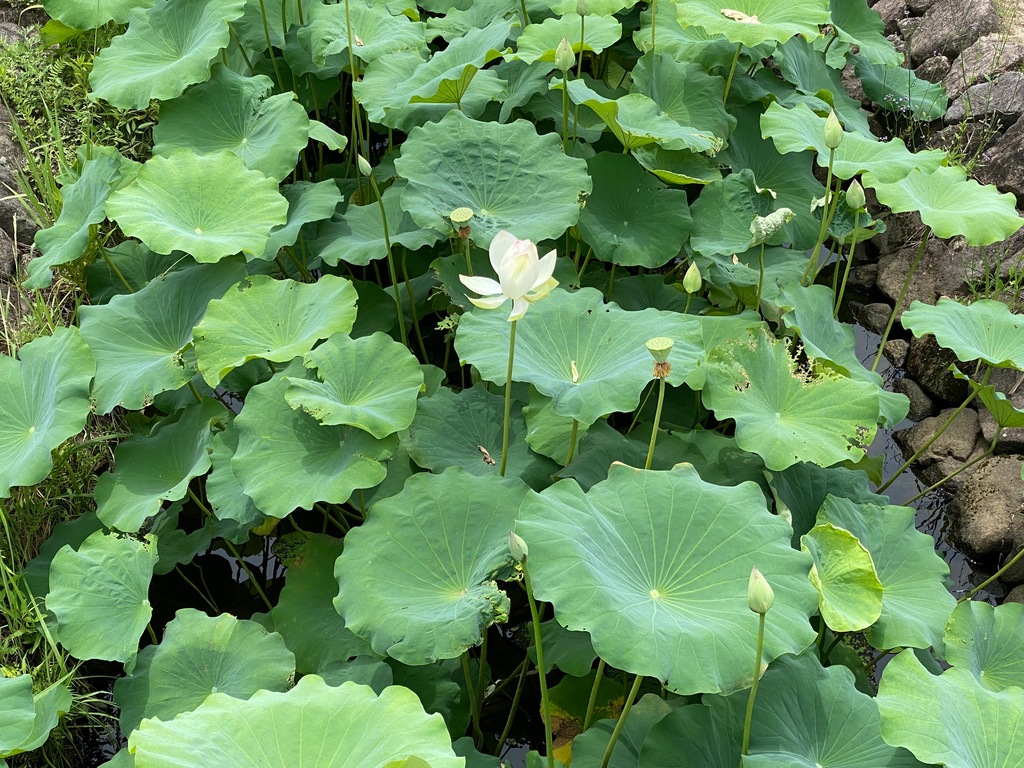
column 481, row 398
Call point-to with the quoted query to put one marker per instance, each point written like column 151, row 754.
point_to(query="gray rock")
column 926, row 284
column 891, row 12
column 1015, row 595
column 966, row 140
column 950, row 26
column 1001, row 99
column 1015, row 573
column 919, row 6
column 907, row 26
column 863, row 276
column 895, row 351
column 874, row 317
column 986, row 514
column 1003, row 162
column 928, row 365
column 956, row 446
column 1010, row 439
column 933, row 69
column 901, row 230
column 15, row 219
column 853, row 87
column 921, row 406
column 988, row 56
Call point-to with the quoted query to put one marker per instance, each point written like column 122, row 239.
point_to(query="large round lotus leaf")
column 138, row 338
column 655, row 566
column 723, row 213
column 987, row 642
column 951, row 204
column 799, row 129
column 157, row 467
column 637, row 120
column 985, row 330
column 950, row 719
column 100, row 595
column 313, row 725
column 229, row 112
column 371, row 383
column 222, row 489
column 166, row 49
column 684, row 92
column 508, row 175
column 89, row 14
column 404, row 90
column 859, row 25
column 418, row 578
column 632, row 219
column 285, row 459
column 44, row 399
column 308, row 202
column 539, row 41
column 197, row 656
column 375, row 31
column 753, row 22
column 209, row 206
column 898, row 89
column 304, row 614
column 82, row 205
column 786, row 414
column 358, row 236
column 268, row 319
column 915, row 601
column 843, row 574
column 27, row 719
column 464, row 430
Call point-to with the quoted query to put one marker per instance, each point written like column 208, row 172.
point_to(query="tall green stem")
column 849, row 263
column 657, row 423
column 572, row 442
column 508, row 396
column 760, row 278
column 478, row 735
column 621, row 721
column 592, row 701
column 412, row 305
column 732, row 71
column 565, row 110
column 988, row 452
column 526, row 16
column 544, row 703
column 812, row 263
column 515, row 706
column 753, row 688
column 902, row 296
column 391, row 263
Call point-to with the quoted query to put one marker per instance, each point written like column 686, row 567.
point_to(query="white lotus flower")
column 522, row 276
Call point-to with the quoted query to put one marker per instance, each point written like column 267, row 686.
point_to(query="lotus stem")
column 526, row 16
column 572, row 442
column 1005, row 567
column 270, row 46
column 565, row 109
column 478, row 735
column 988, row 452
column 902, row 296
column 760, row 277
column 611, row 284
column 621, row 721
column 480, row 675
column 391, row 262
column 654, row 23
column 508, row 397
column 468, row 256
column 753, row 688
column 412, row 305
column 933, row 438
column 812, row 263
column 579, row 64
column 657, row 423
column 544, row 703
column 115, row 270
column 194, row 391
column 515, row 706
column 732, row 69
column 849, row 264
column 592, row 701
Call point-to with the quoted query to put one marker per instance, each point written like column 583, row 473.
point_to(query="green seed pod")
column 659, row 347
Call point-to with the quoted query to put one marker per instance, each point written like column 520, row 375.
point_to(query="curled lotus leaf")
column 844, row 575
column 89, row 14
column 27, row 718
column 539, row 41
column 984, row 330
column 987, row 642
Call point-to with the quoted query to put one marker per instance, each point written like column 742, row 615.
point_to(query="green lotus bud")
column 363, row 165
column 564, row 57
column 517, row 546
column 855, row 195
column 659, row 347
column 582, row 7
column 461, row 216
column 760, row 596
column 691, row 280
column 833, row 131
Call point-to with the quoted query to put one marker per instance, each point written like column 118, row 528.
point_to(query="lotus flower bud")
column 833, row 131
column 363, row 165
column 691, row 280
column 855, row 196
column 582, row 7
column 760, row 596
column 659, row 347
column 517, row 547
column 564, row 57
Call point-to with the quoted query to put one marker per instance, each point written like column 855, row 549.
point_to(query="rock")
column 895, row 351
column 965, row 140
column 921, row 406
column 852, row 85
column 14, row 217
column 989, row 55
column 956, row 446
column 901, row 230
column 928, row 365
column 986, row 514
column 1003, row 162
column 891, row 12
column 1001, row 100
column 873, row 317
column 933, row 69
column 926, row 284
column 907, row 27
column 919, row 6
column 1015, row 595
column 863, row 276
column 950, row 26
column 1015, row 573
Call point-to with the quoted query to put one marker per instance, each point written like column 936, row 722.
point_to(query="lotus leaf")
column 232, row 112
column 27, row 719
column 157, row 467
column 136, row 266
column 436, row 686
column 268, row 319
column 844, row 575
column 722, row 215
column 677, row 166
column 571, row 652
column 539, row 41
column 803, row 66
column 986, row 641
column 371, row 383
column 588, row 748
column 856, row 24
column 752, row 22
column 138, row 338
column 522, row 82
column 950, row 719
column 757, row 383
column 374, row 30
column 801, row 489
column 547, row 433
column 900, row 90
column 418, row 578
column 44, row 400
column 222, row 488
column 285, row 459
column 308, row 202
column 685, row 92
column 631, row 218
column 167, row 48
column 508, row 175
column 654, row 565
column 457, row 22
column 1002, row 409
column 682, row 43
column 100, row 595
column 280, row 18
column 985, row 330
column 299, row 729
column 209, row 205
column 89, row 14
column 200, row 655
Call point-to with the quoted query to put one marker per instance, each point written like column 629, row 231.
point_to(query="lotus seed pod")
column 659, row 347
column 760, row 596
column 564, row 57
column 691, row 280
column 461, row 216
column 517, row 547
column 363, row 165
column 582, row 7
column 833, row 131
column 855, row 196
